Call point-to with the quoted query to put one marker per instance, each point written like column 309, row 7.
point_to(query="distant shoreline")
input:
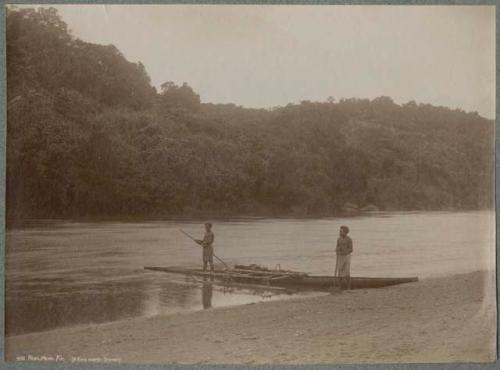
column 444, row 319
column 226, row 216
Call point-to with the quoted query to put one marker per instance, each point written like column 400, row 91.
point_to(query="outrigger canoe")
column 283, row 278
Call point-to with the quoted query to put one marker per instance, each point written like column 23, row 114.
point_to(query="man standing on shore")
column 343, row 263
column 208, row 248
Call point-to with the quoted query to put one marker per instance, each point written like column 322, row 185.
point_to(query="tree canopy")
column 87, row 135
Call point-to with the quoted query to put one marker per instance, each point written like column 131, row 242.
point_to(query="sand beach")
column 446, row 319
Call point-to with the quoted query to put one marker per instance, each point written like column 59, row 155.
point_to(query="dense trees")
column 43, row 55
column 87, row 135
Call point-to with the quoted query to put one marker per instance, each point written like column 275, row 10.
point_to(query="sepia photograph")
column 250, row 184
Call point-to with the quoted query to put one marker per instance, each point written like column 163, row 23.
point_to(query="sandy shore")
column 434, row 320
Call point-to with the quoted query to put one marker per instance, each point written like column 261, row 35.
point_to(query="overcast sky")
column 264, row 56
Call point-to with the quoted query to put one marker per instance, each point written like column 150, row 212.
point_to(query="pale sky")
column 270, row 55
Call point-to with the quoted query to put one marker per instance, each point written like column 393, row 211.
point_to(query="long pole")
column 190, row 237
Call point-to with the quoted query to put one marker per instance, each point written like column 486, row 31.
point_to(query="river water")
column 70, row 273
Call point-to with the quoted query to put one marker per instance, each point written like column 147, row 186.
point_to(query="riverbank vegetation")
column 88, row 135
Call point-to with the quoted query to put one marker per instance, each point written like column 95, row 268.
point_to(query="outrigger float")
column 261, row 276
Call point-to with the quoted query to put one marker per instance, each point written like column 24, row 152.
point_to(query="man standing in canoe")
column 343, row 263
column 208, row 247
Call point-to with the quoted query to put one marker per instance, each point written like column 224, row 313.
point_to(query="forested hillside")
column 88, row 136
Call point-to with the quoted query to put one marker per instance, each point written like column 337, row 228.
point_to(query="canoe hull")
column 326, row 282
column 288, row 280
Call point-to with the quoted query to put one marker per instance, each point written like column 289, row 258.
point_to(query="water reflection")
column 44, row 307
column 206, row 294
